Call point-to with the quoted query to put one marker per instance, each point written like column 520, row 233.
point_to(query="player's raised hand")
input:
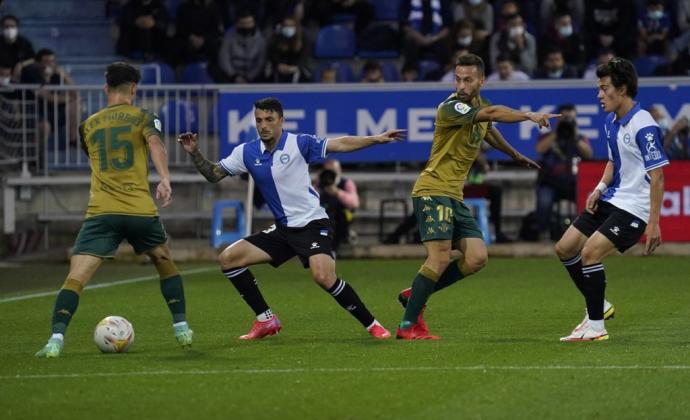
column 653, row 234
column 189, row 141
column 391, row 135
column 164, row 192
column 542, row 119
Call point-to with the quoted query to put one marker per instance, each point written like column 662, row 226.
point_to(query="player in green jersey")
column 453, row 241
column 118, row 140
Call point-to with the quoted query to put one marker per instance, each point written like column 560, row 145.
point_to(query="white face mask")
column 656, row 14
column 475, row 2
column 5, row 81
column 10, row 33
column 288, row 31
column 465, row 40
column 565, row 31
column 556, row 74
column 516, row 31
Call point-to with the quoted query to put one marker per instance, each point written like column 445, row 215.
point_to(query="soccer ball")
column 113, row 334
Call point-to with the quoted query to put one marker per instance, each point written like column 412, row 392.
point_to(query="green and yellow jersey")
column 456, row 144
column 115, row 140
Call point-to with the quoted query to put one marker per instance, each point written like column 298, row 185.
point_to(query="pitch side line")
column 103, row 285
column 341, row 370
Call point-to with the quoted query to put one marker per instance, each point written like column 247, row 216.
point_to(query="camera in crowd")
column 326, row 178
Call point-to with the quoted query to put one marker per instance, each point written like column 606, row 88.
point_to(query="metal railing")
column 39, row 124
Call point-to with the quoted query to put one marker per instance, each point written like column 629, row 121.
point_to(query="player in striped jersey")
column 625, row 205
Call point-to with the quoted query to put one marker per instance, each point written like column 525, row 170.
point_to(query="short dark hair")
column 471, row 60
column 43, row 52
column 371, row 65
column 270, row 104
column 119, row 73
column 9, row 17
column 622, row 72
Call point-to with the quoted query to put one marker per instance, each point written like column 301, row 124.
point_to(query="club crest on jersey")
column 626, row 138
column 462, row 108
column 284, row 158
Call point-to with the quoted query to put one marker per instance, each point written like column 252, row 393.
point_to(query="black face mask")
column 246, row 31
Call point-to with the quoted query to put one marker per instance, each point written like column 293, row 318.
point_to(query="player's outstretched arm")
column 160, row 161
column 213, row 172
column 500, row 113
column 656, row 194
column 497, row 141
column 352, row 143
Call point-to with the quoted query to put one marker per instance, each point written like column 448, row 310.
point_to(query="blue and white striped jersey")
column 635, row 144
column 283, row 176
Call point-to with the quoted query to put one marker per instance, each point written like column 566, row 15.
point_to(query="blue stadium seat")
column 379, row 40
column 156, row 74
column 179, row 116
column 196, row 73
column 646, row 65
column 335, row 41
column 481, row 213
column 426, row 67
column 52, row 9
column 70, row 38
column 386, row 9
column 220, row 237
column 343, row 72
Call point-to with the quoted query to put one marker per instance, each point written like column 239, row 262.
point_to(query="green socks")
column 450, row 276
column 65, row 306
column 422, row 288
column 173, row 292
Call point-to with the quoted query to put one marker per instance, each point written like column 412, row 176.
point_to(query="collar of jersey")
column 280, row 146
column 627, row 117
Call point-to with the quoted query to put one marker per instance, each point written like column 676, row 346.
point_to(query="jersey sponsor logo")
column 615, row 230
column 653, row 152
column 157, row 124
column 462, row 108
column 257, row 162
column 270, row 229
column 284, row 158
column 314, row 245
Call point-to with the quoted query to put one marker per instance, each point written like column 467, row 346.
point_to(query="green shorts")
column 442, row 218
column 101, row 235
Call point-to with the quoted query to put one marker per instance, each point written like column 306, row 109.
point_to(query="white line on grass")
column 103, row 285
column 339, row 370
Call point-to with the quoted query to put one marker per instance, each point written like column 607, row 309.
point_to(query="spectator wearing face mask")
column 480, row 13
column 549, row 9
column 198, row 29
column 610, row 24
column 515, row 41
column 242, row 55
column 15, row 49
column 505, row 71
column 654, row 25
column 562, row 35
column 467, row 38
column 287, row 53
column 555, row 67
column 143, row 25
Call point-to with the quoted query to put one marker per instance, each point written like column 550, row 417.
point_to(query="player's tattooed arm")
column 213, row 172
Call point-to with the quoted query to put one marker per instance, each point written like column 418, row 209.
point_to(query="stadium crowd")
column 252, row 41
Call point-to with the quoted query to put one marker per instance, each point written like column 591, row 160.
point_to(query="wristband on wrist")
column 601, row 187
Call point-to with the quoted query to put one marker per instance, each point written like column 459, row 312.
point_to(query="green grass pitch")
column 499, row 356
